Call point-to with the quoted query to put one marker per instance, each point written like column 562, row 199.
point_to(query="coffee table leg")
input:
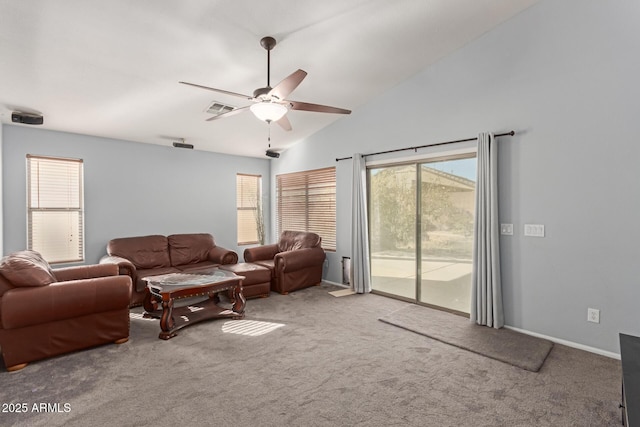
column 166, row 321
column 215, row 297
column 149, row 303
column 238, row 301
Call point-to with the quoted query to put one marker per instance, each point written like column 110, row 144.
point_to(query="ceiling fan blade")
column 218, row 90
column 305, row 106
column 229, row 114
column 284, row 123
column 286, row 86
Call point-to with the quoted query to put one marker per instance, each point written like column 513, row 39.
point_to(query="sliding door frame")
column 455, row 154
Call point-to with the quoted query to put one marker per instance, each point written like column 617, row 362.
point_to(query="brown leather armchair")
column 46, row 312
column 295, row 261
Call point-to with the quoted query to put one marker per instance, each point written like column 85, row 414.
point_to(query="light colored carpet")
column 321, row 362
column 514, row 348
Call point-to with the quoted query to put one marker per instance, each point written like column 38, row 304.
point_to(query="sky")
column 465, row 168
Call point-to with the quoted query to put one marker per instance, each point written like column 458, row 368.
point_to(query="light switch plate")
column 534, row 230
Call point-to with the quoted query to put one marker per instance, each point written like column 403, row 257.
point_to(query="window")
column 307, row 202
column 55, row 223
column 249, row 204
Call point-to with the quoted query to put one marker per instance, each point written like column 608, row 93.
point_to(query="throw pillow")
column 26, row 268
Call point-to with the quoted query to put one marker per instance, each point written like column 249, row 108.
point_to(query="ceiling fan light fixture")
column 268, row 111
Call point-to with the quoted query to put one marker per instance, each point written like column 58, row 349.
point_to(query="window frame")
column 35, row 192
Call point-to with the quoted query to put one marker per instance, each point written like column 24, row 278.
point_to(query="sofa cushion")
column 253, row 273
column 143, row 251
column 189, row 248
column 26, row 268
column 267, row 263
column 293, row 240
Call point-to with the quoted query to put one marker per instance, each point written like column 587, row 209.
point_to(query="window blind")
column 306, row 201
column 250, row 224
column 55, row 208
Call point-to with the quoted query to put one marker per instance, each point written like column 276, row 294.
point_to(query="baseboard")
column 567, row 343
column 342, row 285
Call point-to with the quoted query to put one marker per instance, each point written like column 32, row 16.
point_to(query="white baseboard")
column 567, row 343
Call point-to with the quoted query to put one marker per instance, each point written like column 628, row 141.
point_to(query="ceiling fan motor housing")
column 261, row 92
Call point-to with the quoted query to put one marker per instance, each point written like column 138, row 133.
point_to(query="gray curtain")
column 486, row 296
column 361, row 270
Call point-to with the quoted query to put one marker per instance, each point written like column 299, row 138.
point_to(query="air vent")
column 218, row 108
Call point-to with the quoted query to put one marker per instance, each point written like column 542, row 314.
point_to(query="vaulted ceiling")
column 111, row 68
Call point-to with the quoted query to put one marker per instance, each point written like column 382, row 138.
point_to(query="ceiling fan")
column 270, row 104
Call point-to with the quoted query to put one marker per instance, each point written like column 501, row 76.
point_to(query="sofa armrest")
column 64, row 300
column 125, row 267
column 220, row 255
column 297, row 260
column 85, row 272
column 260, row 253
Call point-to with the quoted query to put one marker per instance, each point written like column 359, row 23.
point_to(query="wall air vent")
column 218, row 108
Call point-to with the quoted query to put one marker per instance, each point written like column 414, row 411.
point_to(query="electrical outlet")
column 506, row 229
column 593, row 315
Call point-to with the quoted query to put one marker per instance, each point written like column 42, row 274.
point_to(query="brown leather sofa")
column 295, row 262
column 142, row 256
column 46, row 312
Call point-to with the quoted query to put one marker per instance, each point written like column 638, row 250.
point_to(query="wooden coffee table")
column 164, row 290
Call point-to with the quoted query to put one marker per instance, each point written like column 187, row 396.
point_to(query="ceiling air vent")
column 218, row 108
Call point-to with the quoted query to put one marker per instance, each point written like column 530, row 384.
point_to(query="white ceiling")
column 111, row 67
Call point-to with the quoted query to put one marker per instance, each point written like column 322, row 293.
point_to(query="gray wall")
column 131, row 189
column 563, row 75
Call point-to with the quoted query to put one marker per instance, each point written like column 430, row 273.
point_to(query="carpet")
column 505, row 345
column 325, row 362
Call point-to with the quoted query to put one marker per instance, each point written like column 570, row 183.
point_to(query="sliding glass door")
column 392, row 230
column 446, row 225
column 423, row 211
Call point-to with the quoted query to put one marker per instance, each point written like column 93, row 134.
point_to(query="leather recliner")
column 296, row 261
column 46, row 312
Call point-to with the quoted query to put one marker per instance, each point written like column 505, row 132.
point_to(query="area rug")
column 505, row 345
column 342, row 293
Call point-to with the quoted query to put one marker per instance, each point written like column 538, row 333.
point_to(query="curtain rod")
column 427, row 145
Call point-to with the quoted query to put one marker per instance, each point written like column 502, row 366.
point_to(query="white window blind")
column 55, row 208
column 307, row 202
column 248, row 201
